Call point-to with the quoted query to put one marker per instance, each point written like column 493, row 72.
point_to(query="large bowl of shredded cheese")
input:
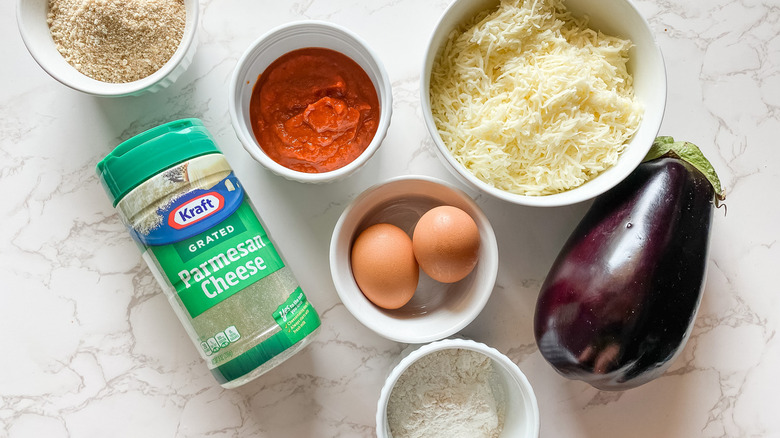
column 543, row 102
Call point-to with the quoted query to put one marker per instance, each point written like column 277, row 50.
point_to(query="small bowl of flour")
column 457, row 388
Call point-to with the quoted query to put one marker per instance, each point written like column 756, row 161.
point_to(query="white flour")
column 449, row 393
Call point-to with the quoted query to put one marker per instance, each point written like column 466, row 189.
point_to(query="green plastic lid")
column 151, row 152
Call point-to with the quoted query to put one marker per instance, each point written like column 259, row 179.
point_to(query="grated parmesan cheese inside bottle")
column 208, row 250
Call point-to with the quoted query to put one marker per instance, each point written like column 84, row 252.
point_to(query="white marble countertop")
column 95, row 351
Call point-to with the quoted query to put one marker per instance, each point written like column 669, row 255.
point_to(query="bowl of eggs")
column 414, row 259
column 542, row 103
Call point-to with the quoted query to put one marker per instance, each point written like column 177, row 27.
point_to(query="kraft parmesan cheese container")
column 207, row 248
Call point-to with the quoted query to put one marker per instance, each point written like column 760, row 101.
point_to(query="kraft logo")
column 195, row 210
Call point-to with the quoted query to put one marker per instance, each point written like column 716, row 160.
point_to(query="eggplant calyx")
column 665, row 146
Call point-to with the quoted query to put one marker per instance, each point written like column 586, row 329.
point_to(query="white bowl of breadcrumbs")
column 110, row 47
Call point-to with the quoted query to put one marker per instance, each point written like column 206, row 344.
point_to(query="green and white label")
column 208, row 268
column 220, row 340
column 296, row 316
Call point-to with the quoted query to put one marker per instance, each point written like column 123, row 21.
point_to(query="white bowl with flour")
column 457, row 388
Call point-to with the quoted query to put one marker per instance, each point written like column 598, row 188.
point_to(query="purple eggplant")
column 619, row 301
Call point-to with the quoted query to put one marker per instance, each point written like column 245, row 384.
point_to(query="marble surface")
column 93, row 349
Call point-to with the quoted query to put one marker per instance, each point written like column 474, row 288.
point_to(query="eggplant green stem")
column 665, row 146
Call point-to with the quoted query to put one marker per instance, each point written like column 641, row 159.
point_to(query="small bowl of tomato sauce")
column 310, row 101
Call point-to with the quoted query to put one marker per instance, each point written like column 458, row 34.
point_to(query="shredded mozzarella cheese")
column 532, row 101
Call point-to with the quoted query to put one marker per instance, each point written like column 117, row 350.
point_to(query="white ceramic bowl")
column 522, row 411
column 437, row 310
column 31, row 17
column 613, row 17
column 299, row 35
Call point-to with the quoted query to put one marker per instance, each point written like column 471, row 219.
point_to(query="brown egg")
column 446, row 243
column 384, row 266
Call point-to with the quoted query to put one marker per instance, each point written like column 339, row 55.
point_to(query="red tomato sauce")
column 314, row 110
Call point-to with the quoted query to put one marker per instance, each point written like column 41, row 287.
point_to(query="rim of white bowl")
column 521, row 379
column 243, row 128
column 573, row 196
column 108, row 89
column 490, row 244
